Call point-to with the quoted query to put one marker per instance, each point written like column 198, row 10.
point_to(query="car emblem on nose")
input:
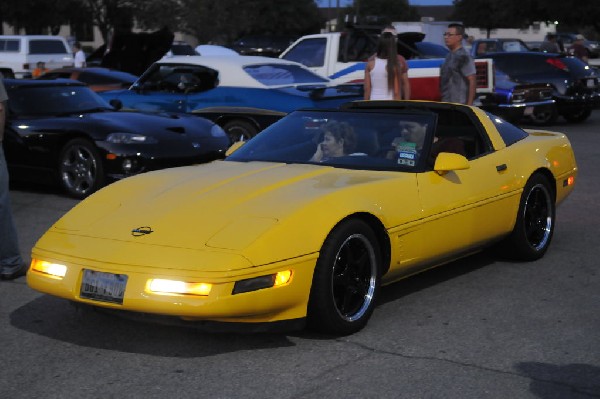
column 141, row 231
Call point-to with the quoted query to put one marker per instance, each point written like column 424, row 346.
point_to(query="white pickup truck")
column 341, row 56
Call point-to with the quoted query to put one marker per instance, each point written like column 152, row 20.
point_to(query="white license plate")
column 591, row 83
column 105, row 287
column 528, row 111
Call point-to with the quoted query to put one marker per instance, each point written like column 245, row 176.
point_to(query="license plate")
column 591, row 83
column 105, row 287
column 528, row 111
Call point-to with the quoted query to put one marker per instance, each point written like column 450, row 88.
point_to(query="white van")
column 19, row 54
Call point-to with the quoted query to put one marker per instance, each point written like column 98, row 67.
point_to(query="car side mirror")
column 446, row 162
column 116, row 104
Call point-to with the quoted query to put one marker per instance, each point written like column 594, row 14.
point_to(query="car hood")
column 261, row 212
column 99, row 124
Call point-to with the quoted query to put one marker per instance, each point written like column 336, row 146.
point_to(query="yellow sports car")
column 303, row 223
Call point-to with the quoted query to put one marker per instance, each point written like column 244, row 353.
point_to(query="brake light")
column 557, row 63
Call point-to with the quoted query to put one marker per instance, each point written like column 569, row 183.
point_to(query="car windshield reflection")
column 357, row 140
column 56, row 100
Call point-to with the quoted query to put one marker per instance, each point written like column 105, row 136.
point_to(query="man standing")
column 79, row 55
column 11, row 263
column 550, row 45
column 457, row 74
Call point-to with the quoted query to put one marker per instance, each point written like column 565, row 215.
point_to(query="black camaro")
column 62, row 131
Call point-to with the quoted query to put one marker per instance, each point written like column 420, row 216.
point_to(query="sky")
column 343, row 3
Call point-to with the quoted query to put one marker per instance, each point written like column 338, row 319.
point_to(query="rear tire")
column 544, row 117
column 534, row 226
column 346, row 280
column 578, row 116
column 239, row 130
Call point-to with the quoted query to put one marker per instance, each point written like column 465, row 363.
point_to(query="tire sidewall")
column 91, row 148
column 519, row 246
column 323, row 314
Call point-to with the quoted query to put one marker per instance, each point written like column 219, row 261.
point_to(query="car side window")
column 180, row 78
column 457, row 131
column 310, row 52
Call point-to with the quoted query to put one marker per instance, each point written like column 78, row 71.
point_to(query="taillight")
column 557, row 63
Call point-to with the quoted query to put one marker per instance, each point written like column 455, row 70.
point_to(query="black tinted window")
column 310, row 52
column 47, row 47
column 9, row 45
column 509, row 132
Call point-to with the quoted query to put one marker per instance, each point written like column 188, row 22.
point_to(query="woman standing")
column 384, row 71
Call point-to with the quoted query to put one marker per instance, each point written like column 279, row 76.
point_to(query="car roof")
column 41, row 83
column 230, row 68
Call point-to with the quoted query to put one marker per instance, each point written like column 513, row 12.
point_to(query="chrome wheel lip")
column 537, row 217
column 79, row 169
column 367, row 294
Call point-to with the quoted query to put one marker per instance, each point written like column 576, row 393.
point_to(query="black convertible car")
column 575, row 86
column 60, row 130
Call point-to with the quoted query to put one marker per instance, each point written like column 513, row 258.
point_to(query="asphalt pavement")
column 478, row 328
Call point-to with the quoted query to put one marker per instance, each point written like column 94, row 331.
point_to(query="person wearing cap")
column 578, row 50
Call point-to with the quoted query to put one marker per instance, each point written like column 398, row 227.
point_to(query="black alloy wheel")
column 346, row 280
column 534, row 225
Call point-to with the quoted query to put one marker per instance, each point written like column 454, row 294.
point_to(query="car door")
column 463, row 209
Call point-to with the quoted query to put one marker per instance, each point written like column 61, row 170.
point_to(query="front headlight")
column 130, row 138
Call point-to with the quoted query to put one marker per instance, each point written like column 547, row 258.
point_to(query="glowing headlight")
column 130, row 138
column 259, row 283
column 51, row 269
column 174, row 287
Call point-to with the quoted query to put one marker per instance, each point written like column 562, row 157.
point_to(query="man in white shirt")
column 79, row 55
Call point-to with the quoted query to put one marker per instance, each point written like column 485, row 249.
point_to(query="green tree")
column 490, row 14
column 47, row 17
column 223, row 21
column 386, row 11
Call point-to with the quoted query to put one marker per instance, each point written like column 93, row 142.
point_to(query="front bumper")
column 267, row 305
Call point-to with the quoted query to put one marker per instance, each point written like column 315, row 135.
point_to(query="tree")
column 47, row 18
column 223, row 21
column 490, row 14
column 386, row 10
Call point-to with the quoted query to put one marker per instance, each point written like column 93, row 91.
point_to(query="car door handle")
column 502, row 167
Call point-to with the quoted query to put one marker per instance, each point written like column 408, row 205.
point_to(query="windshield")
column 54, row 100
column 390, row 140
column 283, row 74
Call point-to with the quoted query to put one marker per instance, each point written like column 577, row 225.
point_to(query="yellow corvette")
column 304, row 223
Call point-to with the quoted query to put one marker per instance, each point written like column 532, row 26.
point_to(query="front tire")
column 534, row 226
column 80, row 168
column 346, row 280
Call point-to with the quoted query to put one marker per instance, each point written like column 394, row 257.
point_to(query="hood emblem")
column 141, row 231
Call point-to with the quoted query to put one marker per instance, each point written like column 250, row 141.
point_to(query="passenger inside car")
column 339, row 139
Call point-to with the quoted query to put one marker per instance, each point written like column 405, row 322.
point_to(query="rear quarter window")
column 46, row 46
column 510, row 133
column 10, row 45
